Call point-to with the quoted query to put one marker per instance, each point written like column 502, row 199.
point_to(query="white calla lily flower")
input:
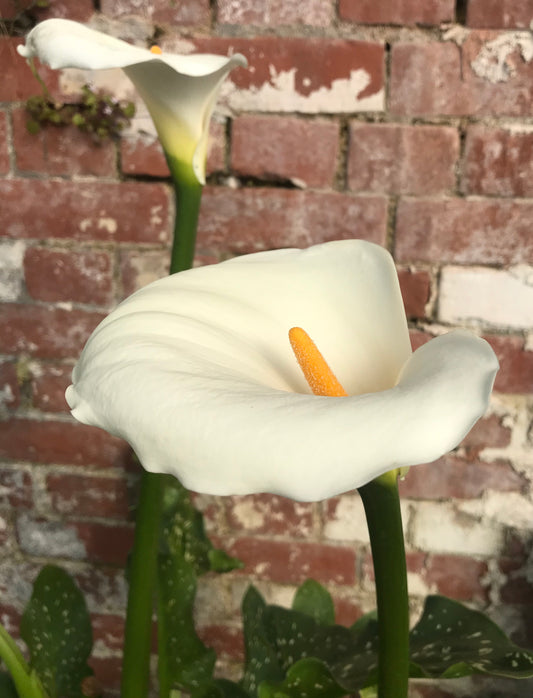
column 179, row 90
column 196, row 372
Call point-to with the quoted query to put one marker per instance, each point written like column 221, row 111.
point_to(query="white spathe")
column 196, row 372
column 179, row 90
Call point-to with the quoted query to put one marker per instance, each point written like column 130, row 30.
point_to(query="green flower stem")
column 26, row 682
column 143, row 563
column 383, row 515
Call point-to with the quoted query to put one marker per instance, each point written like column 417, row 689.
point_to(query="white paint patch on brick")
column 11, row 270
column 281, row 95
column 348, row 523
column 49, row 538
column 506, row 508
column 498, row 298
column 494, row 62
column 438, row 527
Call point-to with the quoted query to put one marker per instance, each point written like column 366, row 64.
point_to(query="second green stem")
column 383, row 514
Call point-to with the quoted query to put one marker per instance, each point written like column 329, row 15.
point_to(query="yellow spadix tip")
column 318, row 374
column 156, row 49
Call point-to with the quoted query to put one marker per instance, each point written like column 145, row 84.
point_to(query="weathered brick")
column 401, row 159
column 269, row 514
column 160, row 11
column 302, row 75
column 48, row 383
column 454, row 477
column 489, row 432
column 108, row 630
column 289, row 562
column 107, row 671
column 415, row 287
column 75, row 540
column 486, row 75
column 464, row 231
column 457, row 577
column 78, row 10
column 517, row 590
column 498, row 162
column 122, row 211
column 4, row 151
column 61, row 150
column 18, row 82
column 144, row 156
column 84, row 495
column 516, row 364
column 397, row 11
column 499, row 14
column 45, row 332
column 63, row 443
column 9, row 386
column 59, row 275
column 300, row 150
column 227, row 641
column 252, row 219
column 273, row 13
column 139, row 268
column 493, row 297
column 16, row 487
column 11, row 273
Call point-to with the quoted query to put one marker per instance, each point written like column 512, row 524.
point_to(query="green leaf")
column 309, row 678
column 220, row 688
column 7, row 687
column 57, row 629
column 315, row 601
column 33, row 126
column 451, row 640
column 261, row 657
column 185, row 553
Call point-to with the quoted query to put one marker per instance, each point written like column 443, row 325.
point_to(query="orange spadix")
column 155, row 49
column 318, row 374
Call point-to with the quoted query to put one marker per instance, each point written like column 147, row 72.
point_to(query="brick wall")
column 402, row 122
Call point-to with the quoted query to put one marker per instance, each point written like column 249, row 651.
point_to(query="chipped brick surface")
column 407, row 12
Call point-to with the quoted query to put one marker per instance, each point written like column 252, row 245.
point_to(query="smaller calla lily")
column 196, row 371
column 179, row 90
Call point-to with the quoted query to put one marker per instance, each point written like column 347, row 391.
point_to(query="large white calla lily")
column 196, row 372
column 179, row 90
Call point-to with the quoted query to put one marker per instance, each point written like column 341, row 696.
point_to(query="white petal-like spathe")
column 179, row 90
column 197, row 373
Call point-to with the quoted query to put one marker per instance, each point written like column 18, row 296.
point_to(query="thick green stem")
column 382, row 508
column 143, row 563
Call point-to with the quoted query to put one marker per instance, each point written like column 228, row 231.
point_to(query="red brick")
column 227, row 642
column 252, row 219
column 418, row 338
column 489, row 432
column 397, row 159
column 397, row 11
column 517, row 590
column 45, row 332
column 160, row 11
column 49, row 382
column 451, row 476
column 86, row 495
column 273, row 13
column 516, row 364
column 61, row 150
column 141, row 156
column 437, row 78
column 292, row 563
column 105, row 543
column 139, row 268
column 316, row 63
column 499, row 14
column 415, row 287
column 269, row 514
column 107, row 671
column 78, row 10
column 9, row 385
column 288, row 148
column 16, row 487
column 464, row 231
column 63, row 443
column 347, row 611
column 18, row 82
column 4, row 152
column 498, row 162
column 58, row 275
column 108, row 630
column 122, row 211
